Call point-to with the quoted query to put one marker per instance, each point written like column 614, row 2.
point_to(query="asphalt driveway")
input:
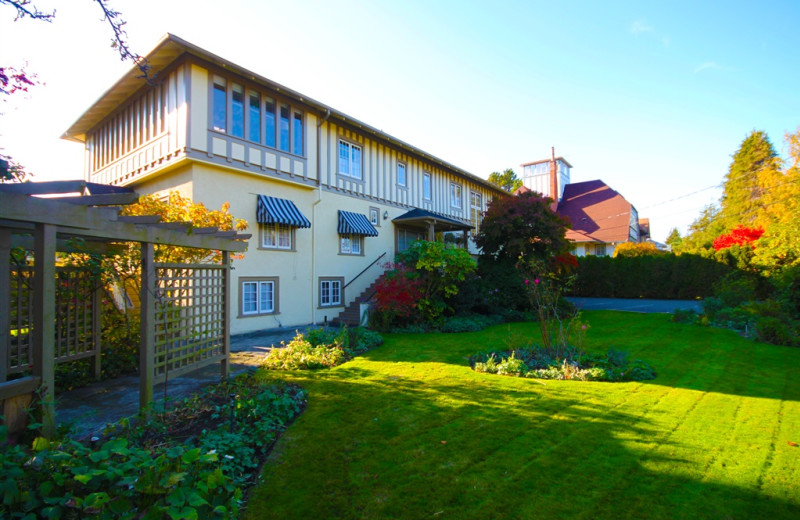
column 634, row 305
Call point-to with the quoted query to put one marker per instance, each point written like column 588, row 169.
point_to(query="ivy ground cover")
column 410, row 431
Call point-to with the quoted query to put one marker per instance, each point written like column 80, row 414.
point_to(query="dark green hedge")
column 665, row 276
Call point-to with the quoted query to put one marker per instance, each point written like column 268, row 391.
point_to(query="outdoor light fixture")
column 385, row 215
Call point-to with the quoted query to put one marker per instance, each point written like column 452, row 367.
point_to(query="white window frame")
column 331, row 292
column 295, row 144
column 375, row 216
column 475, row 210
column 346, row 167
column 266, row 296
column 456, row 196
column 272, row 234
column 404, row 180
column 427, row 186
column 351, row 245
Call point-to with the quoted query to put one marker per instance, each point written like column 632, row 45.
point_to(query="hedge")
column 666, row 276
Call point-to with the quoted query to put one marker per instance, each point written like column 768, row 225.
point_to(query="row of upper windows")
column 261, row 118
column 278, row 125
column 350, row 166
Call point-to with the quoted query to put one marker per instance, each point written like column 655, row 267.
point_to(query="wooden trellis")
column 190, row 318
column 77, row 325
column 55, row 317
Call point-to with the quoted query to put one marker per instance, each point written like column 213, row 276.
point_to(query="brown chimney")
column 553, row 175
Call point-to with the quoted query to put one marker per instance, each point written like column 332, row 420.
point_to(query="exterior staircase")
column 351, row 315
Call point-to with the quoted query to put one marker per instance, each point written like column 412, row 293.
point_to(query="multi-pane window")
column 258, row 297
column 401, row 174
column 260, row 119
column 269, row 120
column 600, row 250
column 349, row 159
column 426, row 186
column 255, row 117
column 455, row 195
column 475, row 210
column 284, row 128
column 330, row 292
column 297, row 141
column 220, row 104
column 237, row 110
column 374, row 217
column 276, row 236
column 351, row 244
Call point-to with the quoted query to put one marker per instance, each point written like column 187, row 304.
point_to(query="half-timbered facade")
column 329, row 199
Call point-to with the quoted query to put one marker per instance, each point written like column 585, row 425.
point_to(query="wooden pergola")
column 193, row 333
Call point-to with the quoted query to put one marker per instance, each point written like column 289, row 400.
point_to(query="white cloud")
column 640, row 26
column 708, row 65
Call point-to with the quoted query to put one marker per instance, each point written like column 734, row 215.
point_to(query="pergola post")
column 44, row 321
column 97, row 310
column 431, row 231
column 147, row 349
column 226, row 323
column 5, row 296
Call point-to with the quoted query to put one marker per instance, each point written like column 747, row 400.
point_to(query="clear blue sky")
column 651, row 97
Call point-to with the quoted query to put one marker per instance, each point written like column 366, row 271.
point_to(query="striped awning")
column 272, row 210
column 355, row 224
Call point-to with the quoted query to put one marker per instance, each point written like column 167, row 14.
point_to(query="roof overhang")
column 423, row 218
column 171, row 47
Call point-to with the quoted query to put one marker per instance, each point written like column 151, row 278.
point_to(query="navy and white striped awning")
column 272, row 210
column 355, row 224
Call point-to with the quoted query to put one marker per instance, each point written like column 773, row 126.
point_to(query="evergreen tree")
column 754, row 172
column 674, row 239
column 703, row 231
column 507, row 180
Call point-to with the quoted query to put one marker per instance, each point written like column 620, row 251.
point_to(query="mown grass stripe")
column 517, row 449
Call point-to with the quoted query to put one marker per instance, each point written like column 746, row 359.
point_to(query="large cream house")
column 329, row 199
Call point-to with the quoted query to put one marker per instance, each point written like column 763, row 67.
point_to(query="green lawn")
column 410, row 431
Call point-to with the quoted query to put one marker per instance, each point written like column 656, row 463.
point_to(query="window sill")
column 277, row 249
column 258, row 315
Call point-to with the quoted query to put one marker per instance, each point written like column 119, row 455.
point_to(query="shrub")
column 511, row 366
column 735, row 289
column 300, row 354
column 684, row 316
column 321, row 348
column 471, row 323
column 775, row 331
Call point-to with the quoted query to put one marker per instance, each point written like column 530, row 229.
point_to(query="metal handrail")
column 365, row 269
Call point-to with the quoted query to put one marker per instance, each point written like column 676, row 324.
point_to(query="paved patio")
column 90, row 408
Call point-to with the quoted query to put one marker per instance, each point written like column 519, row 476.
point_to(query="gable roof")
column 597, row 213
column 171, row 47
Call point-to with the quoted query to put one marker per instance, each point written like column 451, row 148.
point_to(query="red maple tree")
column 739, row 236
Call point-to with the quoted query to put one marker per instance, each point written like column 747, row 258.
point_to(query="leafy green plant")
column 321, row 348
column 536, row 361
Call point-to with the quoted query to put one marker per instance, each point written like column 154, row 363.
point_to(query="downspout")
column 314, row 212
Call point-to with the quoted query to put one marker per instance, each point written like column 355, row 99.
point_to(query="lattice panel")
column 190, row 318
column 74, row 307
column 21, row 317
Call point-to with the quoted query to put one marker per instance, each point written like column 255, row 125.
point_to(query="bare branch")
column 118, row 42
column 26, row 9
